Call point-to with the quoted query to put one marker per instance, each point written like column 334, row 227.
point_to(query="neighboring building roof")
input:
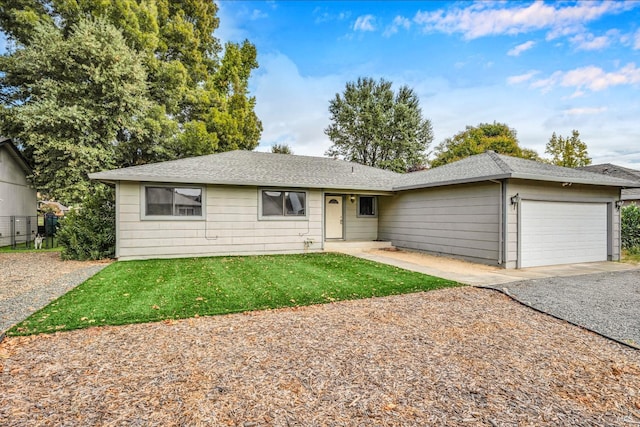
column 261, row 169
column 267, row 169
column 59, row 206
column 16, row 154
column 618, row 172
column 490, row 165
column 613, row 170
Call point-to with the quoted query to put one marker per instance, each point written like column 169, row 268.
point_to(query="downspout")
column 118, row 206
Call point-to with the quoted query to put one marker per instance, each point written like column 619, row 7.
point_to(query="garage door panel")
column 562, row 233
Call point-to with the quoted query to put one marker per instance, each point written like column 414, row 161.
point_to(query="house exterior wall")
column 552, row 191
column 458, row 220
column 359, row 228
column 17, row 198
column 231, row 226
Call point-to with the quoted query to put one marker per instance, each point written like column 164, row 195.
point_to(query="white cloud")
column 516, row 51
column 490, row 18
column 513, row 80
column 294, row 109
column 585, row 111
column 398, row 22
column 590, row 42
column 636, row 40
column 365, row 23
column 257, row 14
column 590, row 78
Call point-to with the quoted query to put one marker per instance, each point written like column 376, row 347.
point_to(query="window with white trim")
column 279, row 203
column 173, row 201
column 367, row 206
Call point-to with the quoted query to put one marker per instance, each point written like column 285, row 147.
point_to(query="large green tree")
column 568, row 152
column 199, row 91
column 374, row 126
column 494, row 136
column 67, row 98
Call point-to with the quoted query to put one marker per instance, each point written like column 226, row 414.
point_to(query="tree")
column 281, row 149
column 494, row 136
column 199, row 93
column 90, row 232
column 374, row 126
column 66, row 100
column 568, row 152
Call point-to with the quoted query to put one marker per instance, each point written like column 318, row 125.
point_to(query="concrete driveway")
column 603, row 297
column 483, row 275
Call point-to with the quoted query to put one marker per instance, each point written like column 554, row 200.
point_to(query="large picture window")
column 173, row 201
column 277, row 203
column 367, row 206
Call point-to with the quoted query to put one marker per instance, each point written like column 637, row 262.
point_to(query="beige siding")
column 459, row 220
column 16, row 195
column 359, row 228
column 532, row 190
column 231, row 227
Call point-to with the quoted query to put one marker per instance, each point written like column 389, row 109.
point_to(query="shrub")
column 89, row 232
column 631, row 228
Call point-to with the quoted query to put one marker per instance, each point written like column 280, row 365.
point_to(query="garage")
column 562, row 233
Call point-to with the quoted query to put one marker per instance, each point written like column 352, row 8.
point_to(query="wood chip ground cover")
column 456, row 356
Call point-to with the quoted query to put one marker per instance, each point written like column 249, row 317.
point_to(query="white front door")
column 333, row 217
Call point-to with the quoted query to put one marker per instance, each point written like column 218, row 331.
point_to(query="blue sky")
column 540, row 67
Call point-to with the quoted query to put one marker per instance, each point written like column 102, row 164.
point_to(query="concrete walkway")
column 483, row 275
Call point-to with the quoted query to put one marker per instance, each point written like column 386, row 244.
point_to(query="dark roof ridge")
column 498, row 161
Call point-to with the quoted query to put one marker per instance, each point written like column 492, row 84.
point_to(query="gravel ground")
column 451, row 357
column 608, row 303
column 30, row 280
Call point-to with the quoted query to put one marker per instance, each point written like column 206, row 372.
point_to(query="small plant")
column 89, row 232
column 630, row 229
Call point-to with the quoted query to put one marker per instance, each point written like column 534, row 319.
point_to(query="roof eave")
column 108, row 178
column 534, row 177
column 451, row 182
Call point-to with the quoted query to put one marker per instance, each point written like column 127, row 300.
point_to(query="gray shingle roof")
column 614, row 170
column 618, row 172
column 490, row 165
column 285, row 170
column 262, row 169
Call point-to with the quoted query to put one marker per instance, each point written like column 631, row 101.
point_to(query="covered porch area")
column 351, row 221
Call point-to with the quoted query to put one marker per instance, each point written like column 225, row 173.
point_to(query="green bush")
column 89, row 233
column 631, row 228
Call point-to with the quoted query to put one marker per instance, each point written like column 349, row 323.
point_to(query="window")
column 367, row 206
column 277, row 203
column 173, row 201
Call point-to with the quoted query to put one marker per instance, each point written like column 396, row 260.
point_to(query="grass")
column 21, row 247
column 154, row 290
column 630, row 257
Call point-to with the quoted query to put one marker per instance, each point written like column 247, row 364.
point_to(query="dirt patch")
column 460, row 356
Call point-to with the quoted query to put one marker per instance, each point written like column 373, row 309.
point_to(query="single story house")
column 18, row 205
column 487, row 208
column 629, row 195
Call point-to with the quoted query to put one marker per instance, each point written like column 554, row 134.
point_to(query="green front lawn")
column 146, row 291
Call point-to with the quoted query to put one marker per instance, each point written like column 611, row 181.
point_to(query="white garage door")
column 562, row 233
